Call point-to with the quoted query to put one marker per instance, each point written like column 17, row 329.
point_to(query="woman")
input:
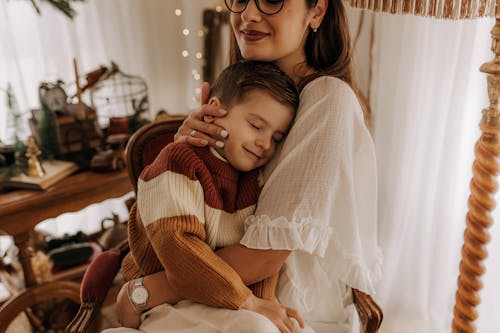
column 317, row 211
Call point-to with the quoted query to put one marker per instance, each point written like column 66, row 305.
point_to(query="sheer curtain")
column 144, row 37
column 427, row 97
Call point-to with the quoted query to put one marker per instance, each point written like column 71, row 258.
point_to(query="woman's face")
column 279, row 38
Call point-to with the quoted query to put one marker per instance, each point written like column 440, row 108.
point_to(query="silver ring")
column 193, row 132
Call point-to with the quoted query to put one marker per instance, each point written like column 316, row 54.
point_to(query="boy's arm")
column 193, row 270
column 171, row 207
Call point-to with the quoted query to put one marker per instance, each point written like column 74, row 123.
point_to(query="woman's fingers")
column 205, row 93
column 292, row 313
column 199, row 133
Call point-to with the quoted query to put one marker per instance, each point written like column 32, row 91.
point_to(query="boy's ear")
column 214, row 101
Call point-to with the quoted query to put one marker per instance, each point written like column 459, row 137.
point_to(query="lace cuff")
column 308, row 235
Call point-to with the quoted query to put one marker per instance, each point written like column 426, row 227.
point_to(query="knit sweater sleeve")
column 171, row 208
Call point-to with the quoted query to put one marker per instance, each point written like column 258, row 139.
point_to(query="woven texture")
column 444, row 9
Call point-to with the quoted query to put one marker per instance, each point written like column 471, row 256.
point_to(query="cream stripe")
column 172, row 194
column 225, row 228
column 167, row 195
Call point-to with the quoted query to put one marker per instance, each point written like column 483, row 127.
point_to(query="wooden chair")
column 141, row 150
column 23, row 302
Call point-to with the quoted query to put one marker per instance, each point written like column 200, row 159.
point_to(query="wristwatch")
column 139, row 295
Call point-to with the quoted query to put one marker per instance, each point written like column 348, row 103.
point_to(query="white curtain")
column 427, row 97
column 144, row 37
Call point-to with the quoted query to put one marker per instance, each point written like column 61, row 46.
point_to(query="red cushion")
column 99, row 276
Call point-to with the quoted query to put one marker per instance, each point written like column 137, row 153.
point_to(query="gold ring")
column 193, row 132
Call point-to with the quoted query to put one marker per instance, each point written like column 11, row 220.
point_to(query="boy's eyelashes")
column 255, row 125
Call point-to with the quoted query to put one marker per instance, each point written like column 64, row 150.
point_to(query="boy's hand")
column 127, row 314
column 279, row 314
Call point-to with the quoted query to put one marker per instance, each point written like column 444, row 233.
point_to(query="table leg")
column 25, row 255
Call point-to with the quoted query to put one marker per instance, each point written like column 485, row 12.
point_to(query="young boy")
column 192, row 200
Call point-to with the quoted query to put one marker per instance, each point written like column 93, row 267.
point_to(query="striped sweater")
column 189, row 202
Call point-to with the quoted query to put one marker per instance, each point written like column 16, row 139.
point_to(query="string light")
column 186, row 31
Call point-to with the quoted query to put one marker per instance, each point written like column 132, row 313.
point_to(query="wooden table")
column 22, row 210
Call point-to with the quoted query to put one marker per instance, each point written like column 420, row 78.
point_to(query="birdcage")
column 119, row 95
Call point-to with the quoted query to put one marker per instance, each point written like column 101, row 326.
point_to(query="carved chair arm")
column 95, row 285
column 369, row 313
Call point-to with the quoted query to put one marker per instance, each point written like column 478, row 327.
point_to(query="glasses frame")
column 228, row 6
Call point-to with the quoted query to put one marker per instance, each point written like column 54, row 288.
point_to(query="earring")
column 315, row 29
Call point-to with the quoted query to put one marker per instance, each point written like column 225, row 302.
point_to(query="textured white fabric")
column 323, row 182
column 190, row 317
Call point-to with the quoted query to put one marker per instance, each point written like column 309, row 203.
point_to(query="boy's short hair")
column 238, row 79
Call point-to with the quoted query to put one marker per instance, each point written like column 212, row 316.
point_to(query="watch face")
column 139, row 295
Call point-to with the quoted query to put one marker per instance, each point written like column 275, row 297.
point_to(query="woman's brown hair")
column 328, row 50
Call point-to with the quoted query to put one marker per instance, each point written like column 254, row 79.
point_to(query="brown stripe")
column 193, row 269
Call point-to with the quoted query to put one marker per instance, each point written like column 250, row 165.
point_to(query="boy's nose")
column 264, row 143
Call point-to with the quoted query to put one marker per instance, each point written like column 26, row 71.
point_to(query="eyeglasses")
column 268, row 7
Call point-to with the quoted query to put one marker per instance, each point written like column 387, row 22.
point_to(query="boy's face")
column 256, row 125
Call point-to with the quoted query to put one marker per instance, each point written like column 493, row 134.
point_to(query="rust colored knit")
column 190, row 202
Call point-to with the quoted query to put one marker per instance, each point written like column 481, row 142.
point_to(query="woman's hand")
column 279, row 314
column 198, row 132
column 128, row 315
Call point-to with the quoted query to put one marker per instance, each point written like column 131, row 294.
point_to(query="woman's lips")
column 253, row 35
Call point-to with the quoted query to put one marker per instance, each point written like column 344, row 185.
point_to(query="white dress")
column 320, row 200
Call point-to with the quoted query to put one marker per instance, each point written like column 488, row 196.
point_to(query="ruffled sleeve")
column 320, row 195
column 308, row 235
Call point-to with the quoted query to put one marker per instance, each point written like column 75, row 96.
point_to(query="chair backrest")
column 146, row 144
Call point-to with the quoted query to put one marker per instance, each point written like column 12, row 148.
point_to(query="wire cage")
column 119, row 95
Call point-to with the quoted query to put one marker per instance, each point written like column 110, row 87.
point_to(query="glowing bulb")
column 200, row 33
column 185, row 32
column 197, row 77
column 198, row 55
column 218, row 9
column 178, row 12
column 185, row 53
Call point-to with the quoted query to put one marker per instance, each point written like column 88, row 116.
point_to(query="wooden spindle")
column 481, row 200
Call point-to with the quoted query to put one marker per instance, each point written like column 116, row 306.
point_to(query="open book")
column 55, row 171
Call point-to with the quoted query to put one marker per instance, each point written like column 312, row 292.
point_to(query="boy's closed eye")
column 255, row 125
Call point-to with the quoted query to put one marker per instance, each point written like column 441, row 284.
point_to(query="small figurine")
column 35, row 168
